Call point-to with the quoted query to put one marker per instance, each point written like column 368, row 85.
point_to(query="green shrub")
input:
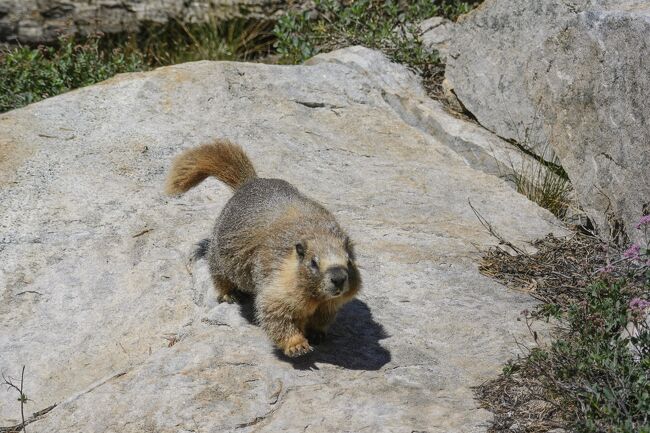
column 31, row 74
column 599, row 368
column 295, row 42
column 381, row 24
column 594, row 375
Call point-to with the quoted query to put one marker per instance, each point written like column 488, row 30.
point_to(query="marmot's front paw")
column 297, row 346
column 227, row 298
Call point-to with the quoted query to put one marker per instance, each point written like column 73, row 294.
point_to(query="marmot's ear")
column 300, row 249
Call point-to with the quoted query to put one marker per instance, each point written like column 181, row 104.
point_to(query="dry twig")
column 22, row 397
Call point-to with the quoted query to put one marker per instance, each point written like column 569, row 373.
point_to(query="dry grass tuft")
column 520, row 403
column 555, row 273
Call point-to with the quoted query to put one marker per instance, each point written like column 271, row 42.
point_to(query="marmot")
column 275, row 243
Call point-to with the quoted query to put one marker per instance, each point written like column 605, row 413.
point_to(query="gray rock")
column 436, row 34
column 595, row 101
column 34, row 21
column 488, row 63
column 567, row 79
column 478, row 147
column 118, row 326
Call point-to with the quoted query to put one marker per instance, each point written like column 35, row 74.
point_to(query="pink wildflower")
column 638, row 309
column 632, row 252
column 643, row 221
column 639, row 304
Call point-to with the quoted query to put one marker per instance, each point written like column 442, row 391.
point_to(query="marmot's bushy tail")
column 222, row 159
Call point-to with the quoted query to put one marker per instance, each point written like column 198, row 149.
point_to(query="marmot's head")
column 327, row 266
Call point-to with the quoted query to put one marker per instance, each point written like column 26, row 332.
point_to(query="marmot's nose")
column 338, row 276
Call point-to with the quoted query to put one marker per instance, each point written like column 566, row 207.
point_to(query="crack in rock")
column 35, row 417
column 318, row 104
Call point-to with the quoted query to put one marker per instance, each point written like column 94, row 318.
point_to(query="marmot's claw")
column 299, row 349
column 226, row 298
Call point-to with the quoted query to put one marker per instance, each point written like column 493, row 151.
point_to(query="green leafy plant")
column 295, row 42
column 600, row 367
column 594, row 376
column 386, row 25
column 30, row 74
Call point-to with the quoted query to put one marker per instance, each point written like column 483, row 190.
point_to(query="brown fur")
column 275, row 243
column 222, row 159
column 288, row 310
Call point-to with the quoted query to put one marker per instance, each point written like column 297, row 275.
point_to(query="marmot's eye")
column 314, row 264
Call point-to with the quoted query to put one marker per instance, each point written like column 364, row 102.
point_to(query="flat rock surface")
column 119, row 327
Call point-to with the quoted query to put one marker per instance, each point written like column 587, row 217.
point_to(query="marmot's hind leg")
column 225, row 289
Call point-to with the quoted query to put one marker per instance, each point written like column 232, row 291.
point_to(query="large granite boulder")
column 35, row 21
column 567, row 79
column 118, row 325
